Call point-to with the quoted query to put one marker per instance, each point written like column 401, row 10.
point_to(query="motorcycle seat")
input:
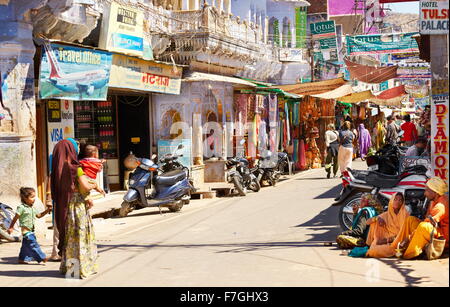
column 381, row 180
column 170, row 178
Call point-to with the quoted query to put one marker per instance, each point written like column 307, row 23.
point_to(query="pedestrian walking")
column 410, row 131
column 392, row 131
column 76, row 233
column 365, row 141
column 345, row 154
column 332, row 143
column 27, row 214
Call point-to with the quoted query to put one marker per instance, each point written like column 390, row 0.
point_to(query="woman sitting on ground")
column 368, row 208
column 385, row 228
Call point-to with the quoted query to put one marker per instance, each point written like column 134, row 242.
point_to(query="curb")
column 113, row 210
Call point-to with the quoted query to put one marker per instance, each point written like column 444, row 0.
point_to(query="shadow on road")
column 25, row 272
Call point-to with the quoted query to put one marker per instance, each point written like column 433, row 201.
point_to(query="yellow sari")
column 390, row 230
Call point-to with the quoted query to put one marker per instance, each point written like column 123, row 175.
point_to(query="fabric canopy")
column 313, row 88
column 344, row 90
column 356, row 97
column 370, row 74
column 390, row 97
column 198, row 77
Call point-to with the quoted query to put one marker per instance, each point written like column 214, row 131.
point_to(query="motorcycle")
column 153, row 186
column 269, row 170
column 411, row 183
column 241, row 176
column 387, row 159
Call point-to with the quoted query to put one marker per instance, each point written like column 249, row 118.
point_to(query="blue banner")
column 74, row 73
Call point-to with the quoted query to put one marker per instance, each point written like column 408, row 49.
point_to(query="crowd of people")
column 379, row 234
column 348, row 142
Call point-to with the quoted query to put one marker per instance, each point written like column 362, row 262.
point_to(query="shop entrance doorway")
column 134, row 128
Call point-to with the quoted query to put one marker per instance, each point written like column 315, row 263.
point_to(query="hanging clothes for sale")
column 302, row 155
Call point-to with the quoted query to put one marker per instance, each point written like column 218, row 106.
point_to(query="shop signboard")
column 60, row 122
column 440, row 136
column 74, row 73
column 170, row 146
column 433, row 17
column 133, row 73
column 325, row 33
column 300, row 24
column 291, row 55
column 381, row 44
column 122, row 30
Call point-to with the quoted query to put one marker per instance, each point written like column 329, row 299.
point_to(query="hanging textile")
column 273, row 123
column 302, row 155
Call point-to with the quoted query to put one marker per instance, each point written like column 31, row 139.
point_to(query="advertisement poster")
column 345, row 7
column 325, row 33
column 60, row 122
column 122, row 30
column 170, row 146
column 433, row 17
column 134, row 73
column 440, row 135
column 381, row 44
column 301, row 24
column 74, row 73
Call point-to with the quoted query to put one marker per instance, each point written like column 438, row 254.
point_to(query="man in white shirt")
column 418, row 149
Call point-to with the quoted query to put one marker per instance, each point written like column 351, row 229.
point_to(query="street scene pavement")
column 276, row 237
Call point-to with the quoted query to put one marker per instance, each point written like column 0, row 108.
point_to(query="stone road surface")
column 271, row 238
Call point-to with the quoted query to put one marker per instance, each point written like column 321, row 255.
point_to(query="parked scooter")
column 154, row 186
column 411, row 183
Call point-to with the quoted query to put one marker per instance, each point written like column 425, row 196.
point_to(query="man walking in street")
column 410, row 131
column 391, row 131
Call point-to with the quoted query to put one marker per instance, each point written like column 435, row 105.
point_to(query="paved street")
column 271, row 238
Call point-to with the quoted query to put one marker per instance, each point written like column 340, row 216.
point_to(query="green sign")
column 325, row 33
column 381, row 44
column 300, row 24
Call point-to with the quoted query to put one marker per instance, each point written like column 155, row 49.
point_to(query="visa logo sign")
column 57, row 135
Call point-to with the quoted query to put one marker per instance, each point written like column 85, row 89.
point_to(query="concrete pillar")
column 185, row 5
column 17, row 108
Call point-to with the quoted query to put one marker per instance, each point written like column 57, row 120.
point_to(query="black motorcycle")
column 269, row 168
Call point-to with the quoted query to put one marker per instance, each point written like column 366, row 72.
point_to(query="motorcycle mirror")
column 242, row 142
column 154, row 156
column 181, row 146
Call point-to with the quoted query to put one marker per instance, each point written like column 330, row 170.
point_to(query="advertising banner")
column 433, row 17
column 325, row 33
column 291, row 55
column 60, row 122
column 74, row 73
column 170, row 146
column 301, row 24
column 439, row 136
column 345, row 7
column 381, row 44
column 137, row 74
column 122, row 30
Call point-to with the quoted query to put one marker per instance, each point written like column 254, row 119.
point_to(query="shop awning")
column 199, row 76
column 356, row 97
column 390, row 97
column 313, row 88
column 370, row 74
column 343, row 90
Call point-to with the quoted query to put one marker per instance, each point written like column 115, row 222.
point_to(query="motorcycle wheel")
column 5, row 220
column 238, row 185
column 346, row 212
column 255, row 186
column 125, row 208
column 177, row 206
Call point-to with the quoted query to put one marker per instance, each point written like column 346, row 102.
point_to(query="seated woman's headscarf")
column 438, row 185
column 64, row 173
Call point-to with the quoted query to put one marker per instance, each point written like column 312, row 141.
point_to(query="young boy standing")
column 27, row 214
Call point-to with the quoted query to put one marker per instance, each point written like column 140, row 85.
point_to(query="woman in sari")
column 77, row 240
column 385, row 228
column 365, row 141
